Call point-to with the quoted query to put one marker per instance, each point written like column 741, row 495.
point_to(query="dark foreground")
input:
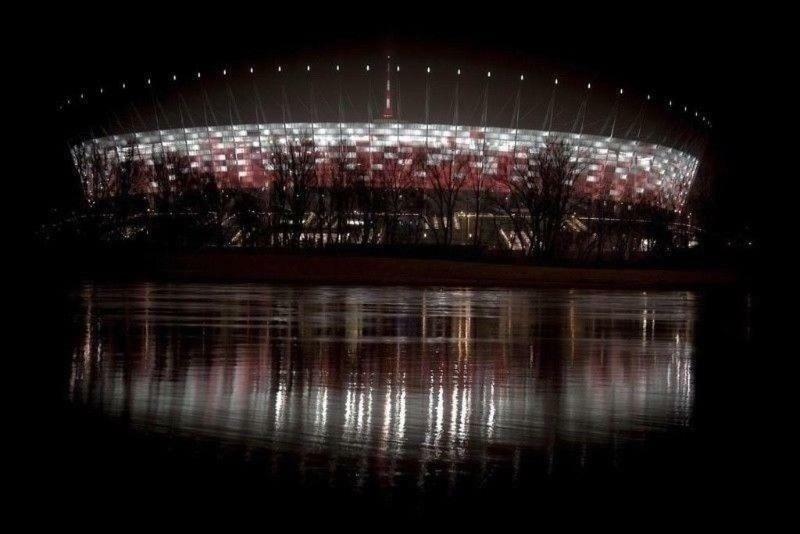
column 335, row 403
column 430, row 268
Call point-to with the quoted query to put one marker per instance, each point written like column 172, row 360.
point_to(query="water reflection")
column 392, row 385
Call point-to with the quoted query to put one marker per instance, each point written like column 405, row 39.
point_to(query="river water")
column 413, row 395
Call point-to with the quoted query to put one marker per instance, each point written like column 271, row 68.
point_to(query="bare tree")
column 80, row 164
column 95, row 169
column 367, row 208
column 480, row 194
column 242, row 217
column 601, row 209
column 396, row 182
column 169, row 168
column 538, row 196
column 340, row 176
column 128, row 181
column 295, row 181
column 445, row 180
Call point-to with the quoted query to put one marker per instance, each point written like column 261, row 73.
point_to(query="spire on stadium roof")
column 388, row 113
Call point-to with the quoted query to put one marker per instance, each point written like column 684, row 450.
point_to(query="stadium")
column 384, row 180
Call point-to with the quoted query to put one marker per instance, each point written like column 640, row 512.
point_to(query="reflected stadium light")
column 461, row 407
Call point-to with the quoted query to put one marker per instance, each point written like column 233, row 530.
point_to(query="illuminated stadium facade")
column 453, row 183
column 243, row 155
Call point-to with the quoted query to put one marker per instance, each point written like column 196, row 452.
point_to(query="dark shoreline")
column 359, row 269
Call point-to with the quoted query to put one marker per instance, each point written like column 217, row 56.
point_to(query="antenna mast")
column 387, row 112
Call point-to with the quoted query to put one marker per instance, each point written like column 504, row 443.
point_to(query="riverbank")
column 319, row 268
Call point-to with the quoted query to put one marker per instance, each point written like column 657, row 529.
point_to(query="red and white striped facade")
column 241, row 155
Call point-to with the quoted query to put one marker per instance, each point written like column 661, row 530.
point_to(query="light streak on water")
column 406, row 377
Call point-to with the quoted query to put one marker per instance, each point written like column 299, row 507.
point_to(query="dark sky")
column 694, row 55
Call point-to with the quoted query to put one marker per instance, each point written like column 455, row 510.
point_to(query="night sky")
column 672, row 50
